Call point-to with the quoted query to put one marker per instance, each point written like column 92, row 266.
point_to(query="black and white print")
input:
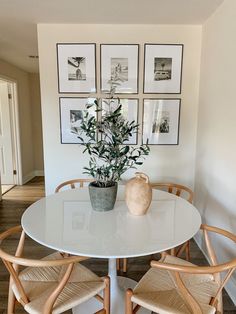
column 119, row 69
column 162, row 69
column 76, row 118
column 77, row 68
column 161, row 123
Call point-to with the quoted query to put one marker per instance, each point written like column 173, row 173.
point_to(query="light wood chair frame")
column 13, row 262
column 72, row 183
column 174, row 188
column 177, row 190
column 215, row 269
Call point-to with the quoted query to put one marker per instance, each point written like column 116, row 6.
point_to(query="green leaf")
column 109, row 157
column 89, row 106
column 80, row 138
column 117, row 110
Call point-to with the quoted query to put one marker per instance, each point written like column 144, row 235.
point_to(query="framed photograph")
column 161, row 121
column 129, row 111
column 71, row 115
column 120, row 63
column 76, row 68
column 163, row 69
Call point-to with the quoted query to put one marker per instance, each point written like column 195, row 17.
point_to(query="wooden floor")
column 12, row 207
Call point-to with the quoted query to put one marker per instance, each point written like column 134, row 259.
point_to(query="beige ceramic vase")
column 138, row 194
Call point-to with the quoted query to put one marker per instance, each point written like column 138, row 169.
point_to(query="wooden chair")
column 53, row 284
column 80, row 182
column 72, row 184
column 173, row 285
column 184, row 192
column 178, row 190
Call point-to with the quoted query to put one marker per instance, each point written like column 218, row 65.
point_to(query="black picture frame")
column 163, row 65
column 70, row 108
column 71, row 78
column 161, row 121
column 118, row 58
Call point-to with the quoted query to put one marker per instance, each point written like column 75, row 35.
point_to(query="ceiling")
column 18, row 19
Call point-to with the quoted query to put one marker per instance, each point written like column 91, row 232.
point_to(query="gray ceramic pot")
column 102, row 198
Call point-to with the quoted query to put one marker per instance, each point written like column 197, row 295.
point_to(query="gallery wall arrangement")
column 77, row 74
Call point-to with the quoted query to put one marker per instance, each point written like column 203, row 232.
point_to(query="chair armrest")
column 195, row 269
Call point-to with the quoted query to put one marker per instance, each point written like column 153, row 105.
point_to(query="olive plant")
column 110, row 156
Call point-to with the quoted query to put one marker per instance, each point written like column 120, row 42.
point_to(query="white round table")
column 66, row 222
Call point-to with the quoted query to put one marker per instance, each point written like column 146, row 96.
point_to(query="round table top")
column 66, row 222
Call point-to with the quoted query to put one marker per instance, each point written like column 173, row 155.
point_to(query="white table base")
column 119, row 285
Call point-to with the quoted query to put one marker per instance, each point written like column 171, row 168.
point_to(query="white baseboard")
column 28, row 177
column 39, row 173
column 231, row 285
column 31, row 175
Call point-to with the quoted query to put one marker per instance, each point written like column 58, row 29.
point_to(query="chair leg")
column 118, row 263
column 128, row 302
column 152, row 257
column 219, row 308
column 163, row 254
column 124, row 265
column 107, row 295
column 187, row 250
column 181, row 249
column 11, row 300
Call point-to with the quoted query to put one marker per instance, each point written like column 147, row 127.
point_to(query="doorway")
column 10, row 163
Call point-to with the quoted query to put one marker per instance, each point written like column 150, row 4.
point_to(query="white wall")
column 175, row 163
column 23, row 88
column 36, row 123
column 216, row 144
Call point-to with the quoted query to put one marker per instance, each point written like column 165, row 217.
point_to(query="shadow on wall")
column 216, row 208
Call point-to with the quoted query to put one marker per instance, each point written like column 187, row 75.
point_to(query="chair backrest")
column 215, row 269
column 177, row 189
column 12, row 263
column 72, row 184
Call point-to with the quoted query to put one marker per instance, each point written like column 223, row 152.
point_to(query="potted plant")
column 110, row 157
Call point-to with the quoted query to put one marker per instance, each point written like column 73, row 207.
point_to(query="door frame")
column 15, row 128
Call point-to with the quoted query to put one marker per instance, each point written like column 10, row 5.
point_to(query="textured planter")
column 102, row 198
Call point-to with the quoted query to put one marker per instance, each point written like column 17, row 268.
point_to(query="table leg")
column 118, row 287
